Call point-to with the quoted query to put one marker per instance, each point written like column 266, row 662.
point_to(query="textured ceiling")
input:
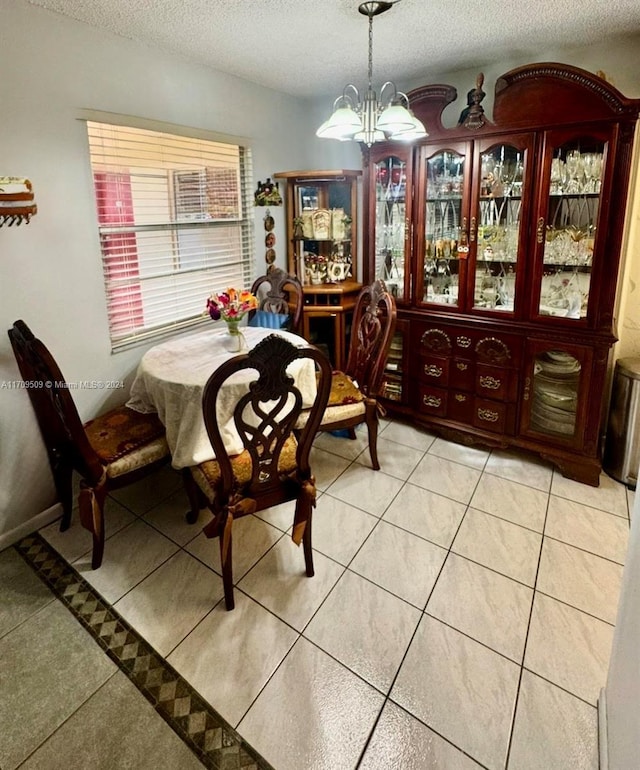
column 312, row 48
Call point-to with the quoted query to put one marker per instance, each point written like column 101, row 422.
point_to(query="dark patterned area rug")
column 216, row 744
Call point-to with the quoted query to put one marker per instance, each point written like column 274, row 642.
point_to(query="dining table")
column 172, row 376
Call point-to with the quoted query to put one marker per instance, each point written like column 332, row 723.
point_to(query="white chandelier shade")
column 368, row 120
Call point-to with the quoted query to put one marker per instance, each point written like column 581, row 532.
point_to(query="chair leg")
column 91, row 506
column 194, row 495
column 306, row 544
column 352, row 434
column 226, row 558
column 372, row 428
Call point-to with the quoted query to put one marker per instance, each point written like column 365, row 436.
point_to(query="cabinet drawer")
column 433, row 401
column 462, row 374
column 434, row 370
column 495, row 382
column 490, row 415
column 460, row 406
column 498, row 349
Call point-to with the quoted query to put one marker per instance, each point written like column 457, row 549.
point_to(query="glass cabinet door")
column 323, row 233
column 566, row 230
column 498, row 196
column 554, row 392
column 392, row 216
column 443, row 243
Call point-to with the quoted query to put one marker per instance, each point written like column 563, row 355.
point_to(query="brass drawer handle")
column 432, row 370
column 461, row 366
column 460, row 398
column 488, row 415
column 490, row 383
column 431, row 401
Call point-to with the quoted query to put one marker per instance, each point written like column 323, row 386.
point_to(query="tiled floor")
column 461, row 616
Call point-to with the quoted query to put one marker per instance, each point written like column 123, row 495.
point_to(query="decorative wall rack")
column 17, row 203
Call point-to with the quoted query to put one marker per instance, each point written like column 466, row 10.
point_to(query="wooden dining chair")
column 273, row 467
column 354, row 391
column 280, row 301
column 108, row 452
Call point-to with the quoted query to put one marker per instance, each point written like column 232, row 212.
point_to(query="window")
column 174, row 225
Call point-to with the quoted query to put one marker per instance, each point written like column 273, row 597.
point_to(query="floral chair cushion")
column 207, row 474
column 121, row 432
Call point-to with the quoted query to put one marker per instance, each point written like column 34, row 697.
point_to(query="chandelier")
column 369, row 120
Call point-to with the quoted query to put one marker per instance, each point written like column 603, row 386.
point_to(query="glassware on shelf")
column 390, row 176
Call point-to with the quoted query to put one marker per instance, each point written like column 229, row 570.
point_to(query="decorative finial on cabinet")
column 16, row 201
column 473, row 114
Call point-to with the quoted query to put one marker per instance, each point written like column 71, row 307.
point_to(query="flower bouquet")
column 231, row 305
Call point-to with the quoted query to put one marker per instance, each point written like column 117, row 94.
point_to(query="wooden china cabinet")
column 322, row 252
column 501, row 242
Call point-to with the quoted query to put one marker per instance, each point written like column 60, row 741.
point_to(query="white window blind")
column 174, row 225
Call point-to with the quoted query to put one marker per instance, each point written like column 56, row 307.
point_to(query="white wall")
column 50, row 270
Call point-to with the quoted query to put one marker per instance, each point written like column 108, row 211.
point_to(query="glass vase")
column 234, row 344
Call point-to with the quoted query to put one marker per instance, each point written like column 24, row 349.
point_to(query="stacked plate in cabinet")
column 555, row 393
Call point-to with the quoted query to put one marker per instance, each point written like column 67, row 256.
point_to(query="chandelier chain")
column 370, row 70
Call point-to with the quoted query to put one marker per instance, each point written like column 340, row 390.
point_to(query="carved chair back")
column 265, row 418
column 280, row 292
column 373, row 325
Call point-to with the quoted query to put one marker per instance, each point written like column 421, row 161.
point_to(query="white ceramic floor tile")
column 578, row 578
column 461, row 689
column 609, row 496
column 151, row 490
column 169, row 517
column 491, row 608
column 467, row 455
column 230, row 656
column 395, row 459
column 552, row 729
column 588, row 528
column 313, row 713
column 164, row 607
column 511, row 501
column 403, row 563
column 505, row 547
column 326, row 466
column 568, row 647
column 77, row 541
column 364, row 627
column 252, row 538
column 446, row 477
column 279, row 582
column 339, row 529
column 523, row 467
column 342, row 446
column 129, row 556
column 400, row 741
column 426, row 514
column 409, row 435
column 371, row 491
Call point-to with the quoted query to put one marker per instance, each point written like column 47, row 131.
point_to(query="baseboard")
column 603, row 745
column 32, row 525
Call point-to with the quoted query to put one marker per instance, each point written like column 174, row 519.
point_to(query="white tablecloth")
column 171, row 379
